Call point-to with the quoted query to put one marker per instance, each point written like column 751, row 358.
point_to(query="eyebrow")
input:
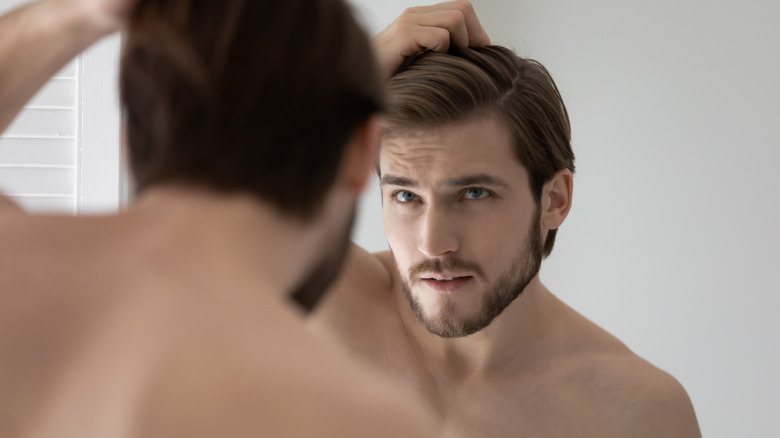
column 482, row 179
column 393, row 180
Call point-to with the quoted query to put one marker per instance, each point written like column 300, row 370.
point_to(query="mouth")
column 445, row 283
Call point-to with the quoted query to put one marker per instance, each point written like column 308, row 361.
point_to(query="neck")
column 236, row 237
column 513, row 340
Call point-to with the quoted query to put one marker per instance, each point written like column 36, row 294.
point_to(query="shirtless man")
column 476, row 177
column 251, row 132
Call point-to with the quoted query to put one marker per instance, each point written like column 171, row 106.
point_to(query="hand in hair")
column 423, row 28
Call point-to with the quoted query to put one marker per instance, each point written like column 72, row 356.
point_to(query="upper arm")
column 8, row 206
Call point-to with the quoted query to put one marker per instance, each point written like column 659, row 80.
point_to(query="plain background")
column 673, row 243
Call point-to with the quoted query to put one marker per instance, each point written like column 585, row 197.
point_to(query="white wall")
column 674, row 237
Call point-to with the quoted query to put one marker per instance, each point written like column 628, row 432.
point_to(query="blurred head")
column 260, row 97
column 476, row 168
column 250, row 96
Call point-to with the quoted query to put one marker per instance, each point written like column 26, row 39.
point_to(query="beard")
column 495, row 300
column 324, row 272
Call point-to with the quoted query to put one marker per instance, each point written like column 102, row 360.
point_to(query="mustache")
column 442, row 265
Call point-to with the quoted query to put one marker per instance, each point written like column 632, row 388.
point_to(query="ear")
column 360, row 155
column 556, row 199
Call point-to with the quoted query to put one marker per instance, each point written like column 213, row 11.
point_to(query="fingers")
column 427, row 38
column 423, row 28
column 450, row 20
column 477, row 36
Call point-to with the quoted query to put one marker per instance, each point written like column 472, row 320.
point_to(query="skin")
column 170, row 319
column 423, row 28
column 540, row 368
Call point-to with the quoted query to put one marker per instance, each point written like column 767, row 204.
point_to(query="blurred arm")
column 38, row 39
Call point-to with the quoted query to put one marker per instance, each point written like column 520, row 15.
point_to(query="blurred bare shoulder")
column 283, row 383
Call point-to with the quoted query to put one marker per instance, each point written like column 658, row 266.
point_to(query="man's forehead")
column 476, row 179
column 480, row 146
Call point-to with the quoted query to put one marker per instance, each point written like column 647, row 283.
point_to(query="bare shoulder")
column 613, row 388
column 632, row 396
column 646, row 400
column 282, row 383
column 666, row 409
column 361, row 290
column 343, row 397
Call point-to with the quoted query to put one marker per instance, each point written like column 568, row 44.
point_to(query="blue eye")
column 404, row 196
column 476, row 193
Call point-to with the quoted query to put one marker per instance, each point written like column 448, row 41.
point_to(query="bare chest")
column 542, row 404
column 519, row 408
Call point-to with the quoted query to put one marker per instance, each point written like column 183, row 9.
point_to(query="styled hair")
column 437, row 89
column 252, row 96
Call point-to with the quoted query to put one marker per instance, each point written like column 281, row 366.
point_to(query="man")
column 252, row 130
column 476, row 177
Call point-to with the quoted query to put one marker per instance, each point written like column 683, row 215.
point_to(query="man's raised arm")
column 38, row 39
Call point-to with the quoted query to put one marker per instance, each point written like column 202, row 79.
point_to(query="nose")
column 437, row 234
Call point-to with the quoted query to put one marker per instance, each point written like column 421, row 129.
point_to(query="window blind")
column 38, row 152
column 62, row 153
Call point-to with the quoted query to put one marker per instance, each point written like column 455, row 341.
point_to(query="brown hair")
column 436, row 89
column 255, row 96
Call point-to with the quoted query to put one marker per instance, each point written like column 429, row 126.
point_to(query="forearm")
column 36, row 41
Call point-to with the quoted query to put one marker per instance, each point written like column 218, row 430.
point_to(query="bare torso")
column 133, row 326
column 575, row 379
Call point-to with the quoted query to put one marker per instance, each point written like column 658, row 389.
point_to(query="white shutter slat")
column 37, row 181
column 42, row 204
column 57, row 152
column 39, row 123
column 70, row 71
column 56, row 93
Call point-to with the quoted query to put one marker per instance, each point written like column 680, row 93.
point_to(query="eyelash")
column 488, row 194
column 394, row 196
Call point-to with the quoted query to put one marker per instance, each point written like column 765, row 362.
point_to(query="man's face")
column 461, row 221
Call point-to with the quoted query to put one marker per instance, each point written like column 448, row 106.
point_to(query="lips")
column 444, row 276
column 445, row 283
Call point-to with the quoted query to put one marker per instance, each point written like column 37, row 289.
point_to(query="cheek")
column 498, row 239
column 401, row 240
column 389, row 226
column 399, row 232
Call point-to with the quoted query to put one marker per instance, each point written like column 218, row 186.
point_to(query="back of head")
column 251, row 96
column 437, row 89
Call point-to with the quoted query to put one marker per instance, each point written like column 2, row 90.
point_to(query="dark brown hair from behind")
column 251, row 96
column 437, row 89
